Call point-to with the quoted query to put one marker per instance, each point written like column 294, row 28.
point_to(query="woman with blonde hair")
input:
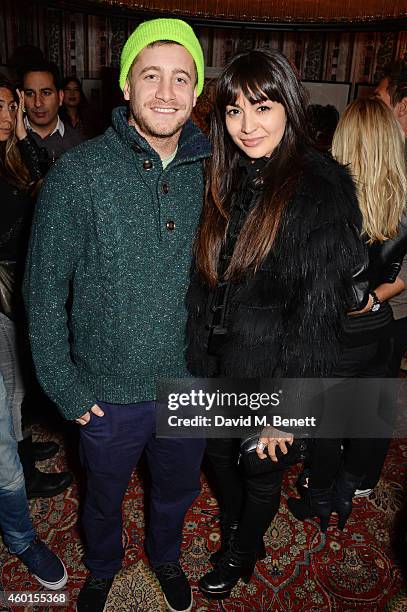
column 369, row 142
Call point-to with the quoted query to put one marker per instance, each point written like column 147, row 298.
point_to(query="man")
column 42, row 98
column 392, row 90
column 15, row 523
column 113, row 231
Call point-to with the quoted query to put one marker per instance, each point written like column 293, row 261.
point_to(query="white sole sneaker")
column 171, row 609
column 54, row 586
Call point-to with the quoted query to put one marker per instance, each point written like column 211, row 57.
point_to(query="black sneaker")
column 44, row 565
column 175, row 586
column 93, row 595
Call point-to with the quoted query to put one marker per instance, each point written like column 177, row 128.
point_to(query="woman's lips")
column 252, row 142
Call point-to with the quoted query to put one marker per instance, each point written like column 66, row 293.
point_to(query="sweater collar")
column 192, row 145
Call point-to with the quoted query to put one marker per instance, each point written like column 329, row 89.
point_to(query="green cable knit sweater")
column 108, row 266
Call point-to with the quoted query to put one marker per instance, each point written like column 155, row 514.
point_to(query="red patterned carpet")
column 304, row 570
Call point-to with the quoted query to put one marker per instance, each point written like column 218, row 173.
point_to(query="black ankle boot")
column 316, row 502
column 344, row 490
column 233, row 565
column 47, row 484
column 228, row 536
column 44, row 450
column 40, row 484
column 228, row 530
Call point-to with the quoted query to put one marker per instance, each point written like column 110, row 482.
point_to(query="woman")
column 369, row 142
column 271, row 287
column 17, row 188
column 74, row 107
column 20, row 177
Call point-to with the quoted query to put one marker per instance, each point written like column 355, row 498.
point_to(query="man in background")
column 42, row 98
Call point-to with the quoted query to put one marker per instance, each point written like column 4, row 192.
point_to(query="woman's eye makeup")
column 232, row 111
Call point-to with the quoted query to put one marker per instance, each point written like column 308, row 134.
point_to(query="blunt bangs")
column 250, row 75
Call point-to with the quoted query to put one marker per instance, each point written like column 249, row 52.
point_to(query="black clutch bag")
column 253, row 465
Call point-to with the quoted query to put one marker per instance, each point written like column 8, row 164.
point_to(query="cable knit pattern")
column 100, row 235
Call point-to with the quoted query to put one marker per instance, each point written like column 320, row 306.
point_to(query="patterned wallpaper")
column 84, row 44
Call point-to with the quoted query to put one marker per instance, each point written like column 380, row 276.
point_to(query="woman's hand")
column 21, row 132
column 272, row 438
column 367, row 308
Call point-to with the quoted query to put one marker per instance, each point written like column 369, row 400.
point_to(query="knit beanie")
column 162, row 29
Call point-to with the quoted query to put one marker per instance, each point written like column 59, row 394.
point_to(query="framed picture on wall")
column 363, row 91
column 328, row 92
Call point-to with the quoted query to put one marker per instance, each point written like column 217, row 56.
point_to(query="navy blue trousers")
column 110, row 447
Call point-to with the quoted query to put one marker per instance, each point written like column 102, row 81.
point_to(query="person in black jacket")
column 20, row 176
column 275, row 250
column 369, row 141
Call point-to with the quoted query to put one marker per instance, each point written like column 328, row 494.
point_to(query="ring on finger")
column 261, row 446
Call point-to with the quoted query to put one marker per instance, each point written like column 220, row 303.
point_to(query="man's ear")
column 194, row 98
column 126, row 90
column 61, row 96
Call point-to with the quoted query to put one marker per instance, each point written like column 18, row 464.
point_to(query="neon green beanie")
column 162, row 29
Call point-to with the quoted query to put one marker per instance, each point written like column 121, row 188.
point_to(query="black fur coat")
column 286, row 319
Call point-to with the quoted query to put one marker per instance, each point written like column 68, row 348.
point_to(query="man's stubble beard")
column 145, row 127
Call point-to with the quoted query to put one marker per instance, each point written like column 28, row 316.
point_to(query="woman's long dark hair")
column 259, row 74
column 63, row 113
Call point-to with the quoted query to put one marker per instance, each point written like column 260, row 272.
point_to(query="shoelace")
column 169, row 570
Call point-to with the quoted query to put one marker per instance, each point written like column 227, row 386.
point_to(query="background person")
column 15, row 522
column 19, row 179
column 43, row 97
column 392, row 90
column 369, row 142
column 75, row 110
column 323, row 121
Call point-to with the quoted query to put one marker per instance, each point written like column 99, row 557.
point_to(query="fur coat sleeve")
column 321, row 238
